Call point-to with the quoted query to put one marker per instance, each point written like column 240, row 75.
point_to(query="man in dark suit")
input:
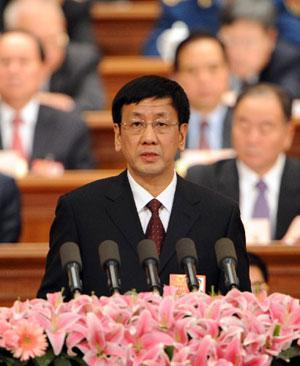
column 150, row 117
column 34, row 130
column 10, row 210
column 248, row 30
column 71, row 68
column 262, row 131
column 201, row 68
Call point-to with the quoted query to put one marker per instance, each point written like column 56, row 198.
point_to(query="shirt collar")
column 272, row 176
column 28, row 114
column 142, row 196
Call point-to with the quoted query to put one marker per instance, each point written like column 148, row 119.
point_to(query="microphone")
column 71, row 263
column 227, row 261
column 110, row 262
column 149, row 260
column 187, row 257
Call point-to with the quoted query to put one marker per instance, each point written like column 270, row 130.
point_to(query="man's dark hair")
column 283, row 96
column 262, row 11
column 151, row 86
column 255, row 261
column 38, row 42
column 196, row 35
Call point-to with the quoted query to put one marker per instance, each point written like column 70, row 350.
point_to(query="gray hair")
column 262, row 11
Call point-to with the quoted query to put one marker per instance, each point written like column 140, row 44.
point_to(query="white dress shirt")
column 143, row 197
column 28, row 115
column 248, row 191
column 214, row 132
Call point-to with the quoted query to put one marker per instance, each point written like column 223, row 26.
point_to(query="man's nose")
column 149, row 135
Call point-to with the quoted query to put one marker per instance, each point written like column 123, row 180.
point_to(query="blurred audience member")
column 262, row 179
column 258, row 274
column 200, row 67
column 36, row 131
column 10, row 210
column 71, row 68
column 77, row 14
column 248, row 30
column 195, row 14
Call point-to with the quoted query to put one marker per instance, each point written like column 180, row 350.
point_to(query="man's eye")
column 136, row 124
column 161, row 124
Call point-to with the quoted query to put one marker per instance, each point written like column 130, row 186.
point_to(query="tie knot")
column 204, row 125
column 154, row 205
column 17, row 120
column 261, row 185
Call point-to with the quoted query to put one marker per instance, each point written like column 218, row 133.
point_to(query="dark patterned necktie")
column 155, row 230
column 261, row 207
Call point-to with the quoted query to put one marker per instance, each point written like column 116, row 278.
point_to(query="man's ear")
column 183, row 127
column 117, row 131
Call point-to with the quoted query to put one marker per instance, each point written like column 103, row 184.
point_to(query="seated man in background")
column 200, row 67
column 10, row 210
column 36, row 131
column 204, row 14
column 72, row 79
column 148, row 200
column 258, row 274
column 262, row 179
column 248, row 31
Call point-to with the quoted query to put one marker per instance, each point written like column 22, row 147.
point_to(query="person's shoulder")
column 217, row 166
column 293, row 164
column 285, row 50
column 58, row 115
column 98, row 187
column 6, row 179
column 206, row 196
column 80, row 51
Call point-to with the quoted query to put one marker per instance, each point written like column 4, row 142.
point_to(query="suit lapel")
column 184, row 214
column 288, row 194
column 226, row 143
column 41, row 134
column 122, row 211
column 228, row 180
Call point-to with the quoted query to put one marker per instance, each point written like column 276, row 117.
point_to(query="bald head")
column 45, row 19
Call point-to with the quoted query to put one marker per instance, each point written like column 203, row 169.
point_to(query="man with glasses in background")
column 150, row 117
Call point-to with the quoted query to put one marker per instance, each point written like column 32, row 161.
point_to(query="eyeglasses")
column 137, row 127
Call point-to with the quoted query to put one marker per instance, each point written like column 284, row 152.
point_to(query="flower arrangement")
column 239, row 329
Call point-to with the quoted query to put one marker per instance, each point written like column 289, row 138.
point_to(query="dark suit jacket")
column 105, row 209
column 10, row 210
column 78, row 77
column 283, row 68
column 222, row 177
column 62, row 136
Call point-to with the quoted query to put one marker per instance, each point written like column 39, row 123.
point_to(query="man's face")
column 21, row 68
column 248, row 45
column 50, row 29
column 203, row 73
column 150, row 154
column 259, row 132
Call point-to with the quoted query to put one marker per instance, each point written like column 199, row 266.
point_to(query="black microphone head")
column 69, row 253
column 224, row 248
column 108, row 250
column 146, row 249
column 185, row 248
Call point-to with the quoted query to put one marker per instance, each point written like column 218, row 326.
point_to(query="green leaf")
column 276, row 330
column 289, row 353
column 46, row 359
column 169, row 351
